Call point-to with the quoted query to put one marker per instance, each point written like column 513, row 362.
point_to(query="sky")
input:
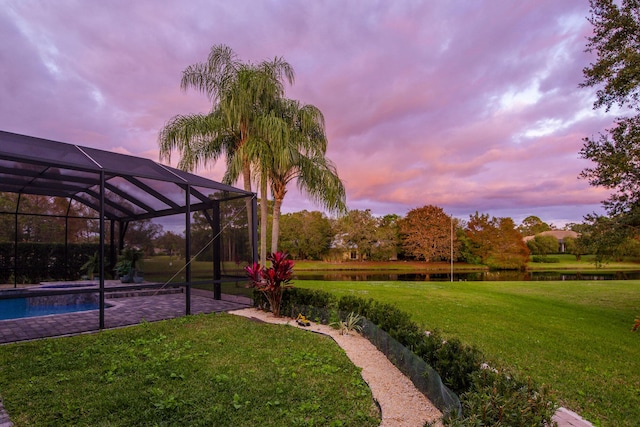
column 467, row 105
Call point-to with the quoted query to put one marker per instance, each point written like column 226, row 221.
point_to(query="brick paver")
column 122, row 312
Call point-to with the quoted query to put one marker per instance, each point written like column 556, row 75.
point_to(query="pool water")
column 19, row 308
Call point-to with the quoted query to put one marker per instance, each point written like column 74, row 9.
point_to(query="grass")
column 566, row 262
column 201, row 370
column 307, row 265
column 586, row 264
column 574, row 336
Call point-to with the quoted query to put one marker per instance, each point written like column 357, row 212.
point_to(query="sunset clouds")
column 468, row 105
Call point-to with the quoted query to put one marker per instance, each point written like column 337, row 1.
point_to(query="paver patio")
column 122, row 312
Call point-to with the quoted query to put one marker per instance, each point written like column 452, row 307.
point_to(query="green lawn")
column 220, row 370
column 586, row 264
column 574, row 335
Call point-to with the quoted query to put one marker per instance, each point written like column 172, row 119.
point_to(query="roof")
column 558, row 234
column 134, row 187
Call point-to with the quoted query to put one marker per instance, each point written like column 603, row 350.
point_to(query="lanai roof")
column 135, row 188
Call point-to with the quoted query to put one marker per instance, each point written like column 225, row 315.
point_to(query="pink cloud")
column 466, row 105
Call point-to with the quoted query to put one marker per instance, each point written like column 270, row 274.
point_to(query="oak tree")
column 356, row 231
column 533, row 225
column 496, row 242
column 616, row 73
column 543, row 245
column 426, row 234
column 305, row 235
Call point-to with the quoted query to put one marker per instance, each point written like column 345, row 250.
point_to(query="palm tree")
column 241, row 94
column 305, row 161
column 293, row 147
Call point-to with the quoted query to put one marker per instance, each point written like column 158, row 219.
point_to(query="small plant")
column 274, row 280
column 91, row 265
column 128, row 266
column 351, row 323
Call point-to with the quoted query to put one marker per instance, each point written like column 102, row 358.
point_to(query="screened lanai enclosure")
column 63, row 205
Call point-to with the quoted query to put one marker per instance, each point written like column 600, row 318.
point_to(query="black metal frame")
column 120, row 188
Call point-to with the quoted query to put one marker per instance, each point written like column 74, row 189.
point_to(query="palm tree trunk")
column 264, row 212
column 246, row 175
column 275, row 228
column 246, row 182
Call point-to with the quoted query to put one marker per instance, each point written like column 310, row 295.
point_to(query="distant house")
column 341, row 250
column 560, row 235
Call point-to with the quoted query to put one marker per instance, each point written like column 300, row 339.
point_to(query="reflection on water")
column 373, row 276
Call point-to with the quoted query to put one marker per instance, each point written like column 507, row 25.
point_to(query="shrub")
column 273, row 280
column 352, row 322
column 502, row 399
column 37, row 262
column 318, row 306
column 387, row 317
column 456, row 362
column 395, row 322
column 350, row 303
column 545, row 259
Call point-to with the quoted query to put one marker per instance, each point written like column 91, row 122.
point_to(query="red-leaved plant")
column 274, row 280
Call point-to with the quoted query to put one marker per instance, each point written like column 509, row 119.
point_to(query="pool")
column 19, row 308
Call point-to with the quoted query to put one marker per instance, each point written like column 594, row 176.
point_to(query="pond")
column 473, row 276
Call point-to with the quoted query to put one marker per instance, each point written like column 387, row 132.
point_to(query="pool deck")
column 122, row 312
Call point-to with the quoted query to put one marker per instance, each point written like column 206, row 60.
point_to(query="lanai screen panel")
column 135, row 188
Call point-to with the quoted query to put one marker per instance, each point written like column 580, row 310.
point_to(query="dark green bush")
column 456, row 362
column 387, row 317
column 301, row 296
column 353, row 304
column 395, row 322
column 453, row 360
column 503, row 399
column 37, row 262
column 545, row 259
column 316, row 305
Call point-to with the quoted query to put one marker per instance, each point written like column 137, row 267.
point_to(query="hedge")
column 39, row 262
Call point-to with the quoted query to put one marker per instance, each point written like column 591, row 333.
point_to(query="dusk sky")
column 467, row 105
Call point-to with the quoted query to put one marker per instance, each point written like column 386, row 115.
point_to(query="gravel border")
column 401, row 403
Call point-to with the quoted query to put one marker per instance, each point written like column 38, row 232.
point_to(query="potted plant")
column 123, row 270
column 91, row 265
column 128, row 265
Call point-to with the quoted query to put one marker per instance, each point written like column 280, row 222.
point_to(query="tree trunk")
column 264, row 212
column 246, row 175
column 246, row 182
column 275, row 228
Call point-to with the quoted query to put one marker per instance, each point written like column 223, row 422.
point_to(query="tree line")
column 425, row 234
column 431, row 235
